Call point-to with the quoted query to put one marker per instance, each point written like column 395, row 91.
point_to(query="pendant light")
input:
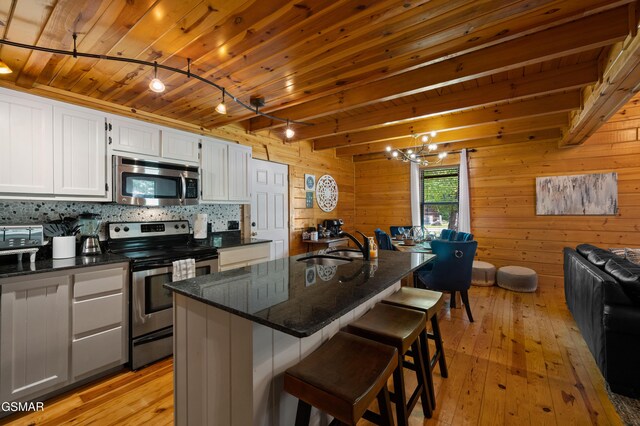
column 222, row 108
column 4, row 68
column 156, row 84
column 289, row 133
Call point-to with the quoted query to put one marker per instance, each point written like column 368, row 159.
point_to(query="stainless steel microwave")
column 150, row 183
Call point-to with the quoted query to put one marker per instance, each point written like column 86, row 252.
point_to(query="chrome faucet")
column 363, row 248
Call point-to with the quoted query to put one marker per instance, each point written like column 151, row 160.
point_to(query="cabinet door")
column 214, row 171
column 239, row 173
column 79, row 152
column 34, row 337
column 134, row 137
column 26, row 144
column 178, row 145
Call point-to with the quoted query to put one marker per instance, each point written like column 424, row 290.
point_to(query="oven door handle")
column 184, row 189
column 148, row 266
column 159, row 335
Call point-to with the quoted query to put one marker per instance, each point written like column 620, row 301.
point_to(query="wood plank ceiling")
column 365, row 73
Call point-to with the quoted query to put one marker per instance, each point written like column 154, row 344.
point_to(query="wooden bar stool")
column 402, row 328
column 342, row 378
column 430, row 302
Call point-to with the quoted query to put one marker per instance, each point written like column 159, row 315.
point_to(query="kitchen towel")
column 183, row 269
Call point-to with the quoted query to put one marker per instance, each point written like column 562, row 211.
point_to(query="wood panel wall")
column 301, row 159
column 502, row 188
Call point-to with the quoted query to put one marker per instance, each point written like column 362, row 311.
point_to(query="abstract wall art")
column 592, row 194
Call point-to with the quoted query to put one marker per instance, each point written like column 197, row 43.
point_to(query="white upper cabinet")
column 225, row 172
column 177, row 145
column 214, row 170
column 25, row 145
column 134, row 137
column 239, row 181
column 79, row 152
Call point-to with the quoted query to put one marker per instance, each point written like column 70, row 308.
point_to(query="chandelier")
column 418, row 155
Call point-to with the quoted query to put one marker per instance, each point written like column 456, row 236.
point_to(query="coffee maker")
column 334, row 226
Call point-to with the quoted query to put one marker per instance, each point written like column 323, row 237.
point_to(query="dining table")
column 421, row 247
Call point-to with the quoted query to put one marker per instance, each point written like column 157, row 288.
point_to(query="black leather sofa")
column 602, row 291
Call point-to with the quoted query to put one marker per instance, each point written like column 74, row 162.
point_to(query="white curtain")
column 415, row 194
column 464, row 215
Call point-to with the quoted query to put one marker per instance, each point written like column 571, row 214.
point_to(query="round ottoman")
column 484, row 274
column 517, row 278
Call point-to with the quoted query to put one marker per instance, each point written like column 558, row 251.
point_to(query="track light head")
column 156, row 85
column 4, row 68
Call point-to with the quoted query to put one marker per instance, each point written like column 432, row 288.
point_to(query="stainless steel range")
column 151, row 248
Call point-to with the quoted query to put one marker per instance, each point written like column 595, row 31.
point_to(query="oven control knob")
column 116, row 229
column 126, row 229
column 183, row 226
column 177, row 226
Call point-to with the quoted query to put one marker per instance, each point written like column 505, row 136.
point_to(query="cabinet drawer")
column 96, row 351
column 97, row 313
column 90, row 283
column 243, row 254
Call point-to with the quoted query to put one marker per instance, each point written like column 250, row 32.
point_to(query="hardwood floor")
column 522, row 362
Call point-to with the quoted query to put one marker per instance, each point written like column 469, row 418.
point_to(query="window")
column 439, row 199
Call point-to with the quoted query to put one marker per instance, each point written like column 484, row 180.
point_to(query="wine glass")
column 400, row 232
column 406, row 233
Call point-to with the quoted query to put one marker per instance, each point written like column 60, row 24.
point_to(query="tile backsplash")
column 26, row 212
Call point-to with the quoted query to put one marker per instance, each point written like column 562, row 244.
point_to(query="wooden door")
column 214, row 171
column 26, row 145
column 239, row 173
column 34, row 337
column 270, row 205
column 79, row 140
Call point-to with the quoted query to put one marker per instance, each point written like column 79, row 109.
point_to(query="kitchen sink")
column 325, row 260
column 345, row 252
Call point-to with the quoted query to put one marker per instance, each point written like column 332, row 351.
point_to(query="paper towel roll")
column 200, row 226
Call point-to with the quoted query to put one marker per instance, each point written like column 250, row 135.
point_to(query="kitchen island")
column 236, row 332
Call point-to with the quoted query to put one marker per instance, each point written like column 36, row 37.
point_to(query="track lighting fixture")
column 156, row 84
column 288, row 132
column 222, row 108
column 4, row 68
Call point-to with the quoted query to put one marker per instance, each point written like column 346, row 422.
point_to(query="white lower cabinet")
column 98, row 340
column 34, row 337
column 237, row 257
column 52, row 321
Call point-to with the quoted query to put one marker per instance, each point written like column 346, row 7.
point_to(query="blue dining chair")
column 448, row 235
column 383, row 239
column 464, row 236
column 451, row 270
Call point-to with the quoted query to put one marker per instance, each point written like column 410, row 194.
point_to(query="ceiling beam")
column 517, row 110
column 543, row 83
column 577, row 36
column 539, row 136
column 618, row 84
column 491, row 130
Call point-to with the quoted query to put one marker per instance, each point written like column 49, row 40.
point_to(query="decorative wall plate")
column 309, row 182
column 327, row 193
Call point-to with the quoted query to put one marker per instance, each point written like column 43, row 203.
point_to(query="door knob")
column 253, row 224
column 253, row 234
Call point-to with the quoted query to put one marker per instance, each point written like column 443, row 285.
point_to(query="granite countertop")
column 296, row 297
column 326, row 240
column 51, row 265
column 241, row 242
